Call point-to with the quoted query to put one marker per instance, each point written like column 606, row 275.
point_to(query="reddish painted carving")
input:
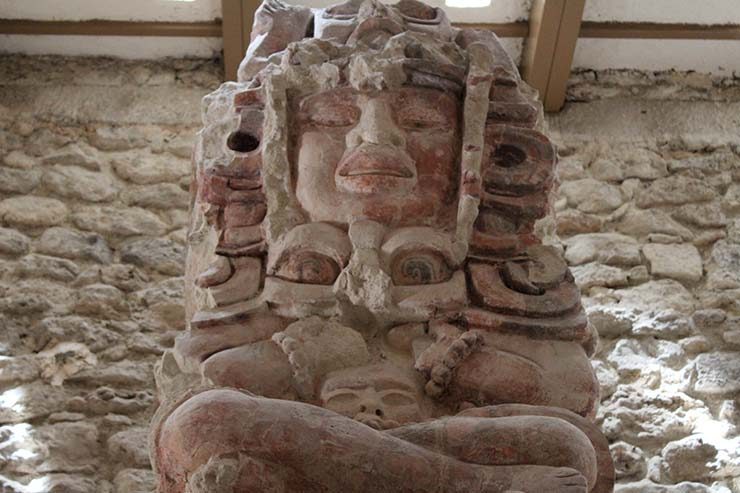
column 372, row 306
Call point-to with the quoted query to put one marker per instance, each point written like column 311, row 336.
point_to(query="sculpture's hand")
column 450, row 348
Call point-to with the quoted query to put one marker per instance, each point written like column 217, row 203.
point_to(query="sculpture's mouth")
column 375, row 160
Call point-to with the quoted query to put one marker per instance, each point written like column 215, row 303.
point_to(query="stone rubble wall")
column 94, row 177
column 648, row 212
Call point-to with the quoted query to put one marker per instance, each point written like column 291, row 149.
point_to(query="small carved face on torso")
column 381, row 396
column 391, row 156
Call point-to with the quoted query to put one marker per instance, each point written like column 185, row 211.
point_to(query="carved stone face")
column 392, row 156
column 379, row 396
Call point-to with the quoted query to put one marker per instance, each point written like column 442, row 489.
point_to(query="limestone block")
column 69, row 243
column 33, row 211
column 162, row 255
column 680, row 262
column 35, row 265
column 159, row 196
column 592, row 196
column 688, row 459
column 12, row 242
column 605, row 248
column 73, row 155
column 675, row 190
column 19, row 180
column 125, row 447
column 19, row 160
column 118, row 221
column 594, row 274
column 717, row 373
column 150, row 169
column 79, row 183
column 134, row 481
column 641, row 223
column 709, row 215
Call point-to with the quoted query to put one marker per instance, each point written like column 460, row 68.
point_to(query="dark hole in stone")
column 378, row 412
column 241, row 141
column 508, row 156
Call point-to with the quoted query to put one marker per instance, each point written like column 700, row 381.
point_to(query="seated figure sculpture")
column 371, row 306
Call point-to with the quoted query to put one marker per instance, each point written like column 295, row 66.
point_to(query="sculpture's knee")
column 211, row 424
column 567, row 445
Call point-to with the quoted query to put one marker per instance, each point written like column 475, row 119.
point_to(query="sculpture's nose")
column 371, row 414
column 376, row 126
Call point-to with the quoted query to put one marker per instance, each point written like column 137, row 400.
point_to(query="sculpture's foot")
column 539, row 479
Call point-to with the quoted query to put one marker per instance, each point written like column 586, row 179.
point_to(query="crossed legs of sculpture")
column 284, row 446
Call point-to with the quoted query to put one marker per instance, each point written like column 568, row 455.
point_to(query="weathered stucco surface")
column 93, row 181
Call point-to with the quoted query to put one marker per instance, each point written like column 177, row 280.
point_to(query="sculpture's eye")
column 416, row 116
column 307, row 267
column 419, row 267
column 397, row 398
column 332, row 113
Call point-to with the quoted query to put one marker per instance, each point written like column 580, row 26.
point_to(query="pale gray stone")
column 125, row 447
column 726, row 256
column 20, row 160
column 607, row 376
column 18, row 180
column 73, row 244
column 96, row 334
column 150, row 169
column 12, row 242
column 101, row 300
column 59, row 269
column 162, row 255
column 674, row 190
column 680, row 262
column 717, row 373
column 629, row 460
column 589, row 195
column 135, row 481
column 649, row 418
column 687, row 459
column 160, row 196
column 33, row 211
column 709, row 215
column 605, row 248
column 119, row 221
column 32, row 401
column 731, row 199
column 116, row 138
column 134, row 374
column 73, row 155
column 647, row 486
column 78, row 183
column 594, row 274
column 641, row 223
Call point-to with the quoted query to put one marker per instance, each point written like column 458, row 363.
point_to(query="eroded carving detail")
column 371, row 307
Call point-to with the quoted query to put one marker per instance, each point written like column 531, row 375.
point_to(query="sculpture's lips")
column 374, row 160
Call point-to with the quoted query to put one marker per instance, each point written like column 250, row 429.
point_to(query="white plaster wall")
column 498, row 11
column 704, row 56
column 140, row 10
column 129, row 47
column 666, row 11
column 714, row 57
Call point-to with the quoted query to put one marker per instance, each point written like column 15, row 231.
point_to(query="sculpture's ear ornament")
column 276, row 25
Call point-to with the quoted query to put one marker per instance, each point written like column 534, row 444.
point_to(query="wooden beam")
column 111, row 28
column 650, row 30
column 565, row 47
column 502, row 30
column 539, row 47
column 233, row 34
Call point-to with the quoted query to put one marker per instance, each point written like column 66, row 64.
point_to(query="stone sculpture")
column 371, row 306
